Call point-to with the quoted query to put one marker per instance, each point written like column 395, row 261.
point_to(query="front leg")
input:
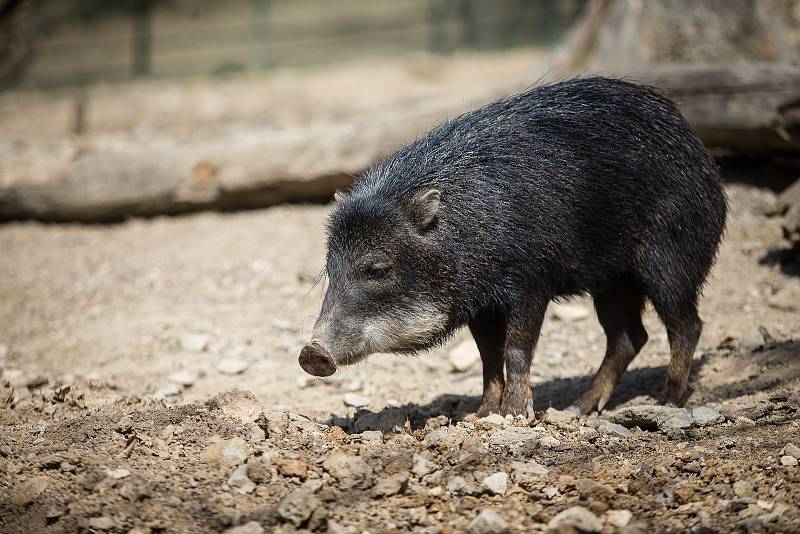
column 522, row 333
column 489, row 331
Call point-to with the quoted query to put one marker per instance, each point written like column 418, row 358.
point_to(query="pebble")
column 664, row 418
column 391, row 485
column 422, row 466
column 298, row 506
column 168, row 390
column 559, row 417
column 707, row 415
column 240, row 481
column 386, row 420
column 184, row 378
column 459, row 486
column 102, row 523
column 231, row 451
column 253, row 527
column 789, row 461
column 118, row 473
column 350, row 471
column 464, row 356
column 232, row 366
column 618, row 518
column 356, row 401
column 30, row 490
column 791, row 450
column 607, row 427
column 569, row 312
column 194, row 342
column 497, row 484
column 292, row 468
column 743, row 488
column 577, row 517
column 239, row 404
column 490, row 422
column 751, row 339
column 488, row 522
column 550, row 442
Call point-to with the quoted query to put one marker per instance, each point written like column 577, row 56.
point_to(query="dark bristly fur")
column 593, row 185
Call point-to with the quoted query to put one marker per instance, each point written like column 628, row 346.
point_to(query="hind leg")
column 489, row 331
column 619, row 310
column 683, row 332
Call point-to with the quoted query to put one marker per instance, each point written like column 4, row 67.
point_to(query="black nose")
column 315, row 360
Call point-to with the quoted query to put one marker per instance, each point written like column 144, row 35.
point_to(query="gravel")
column 578, row 518
column 488, row 522
column 497, row 483
column 232, row 366
column 298, row 506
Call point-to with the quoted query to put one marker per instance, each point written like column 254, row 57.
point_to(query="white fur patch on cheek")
column 405, row 330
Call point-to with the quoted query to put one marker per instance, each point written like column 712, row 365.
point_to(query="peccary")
column 590, row 186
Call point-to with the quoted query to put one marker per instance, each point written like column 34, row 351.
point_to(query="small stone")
column 789, row 461
column 459, row 486
column 350, row 471
column 118, row 474
column 550, row 491
column 664, row 418
column 607, row 427
column 102, row 523
column 791, row 450
column 369, row 436
column 707, row 415
column 298, row 506
column 135, row 488
column 240, row 481
column 490, row 422
column 183, row 378
column 464, row 356
column 232, row 451
column 253, row 527
column 578, row 518
column 168, row 390
column 743, row 488
column 751, row 339
column 391, row 485
column 292, row 468
column 497, row 484
column 30, row 490
column 422, row 466
column 232, row 366
column 356, row 401
column 488, row 522
column 239, row 404
column 559, row 417
column 387, row 420
column 258, row 470
column 194, row 342
column 618, row 518
column 569, row 312
column 550, row 442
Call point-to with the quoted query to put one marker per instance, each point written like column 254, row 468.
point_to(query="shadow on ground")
column 719, row 376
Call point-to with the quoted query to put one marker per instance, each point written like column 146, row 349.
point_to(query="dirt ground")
column 118, row 340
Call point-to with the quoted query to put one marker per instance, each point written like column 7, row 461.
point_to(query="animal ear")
column 339, row 196
column 424, row 208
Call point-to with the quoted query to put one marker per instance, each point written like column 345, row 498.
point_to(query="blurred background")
column 165, row 168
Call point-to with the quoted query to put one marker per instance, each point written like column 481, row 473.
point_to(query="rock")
column 459, row 486
column 607, row 427
column 497, row 484
column 559, row 417
column 20, row 379
column 253, row 527
column 664, row 418
column 350, row 471
column 370, row 436
column 751, row 339
column 464, row 356
column 551, row 442
column 194, row 342
column 791, row 450
column 422, row 466
column 135, row 488
column 578, row 518
column 102, row 523
column 743, row 488
column 789, row 461
column 231, row 451
column 292, row 468
column 239, row 404
column 298, row 506
column 591, row 488
column 391, row 485
column 118, row 474
column 618, row 518
column 387, row 420
column 167, row 390
column 240, row 481
column 569, row 312
column 528, row 474
column 514, row 439
column 30, row 490
column 707, row 415
column 183, row 378
column 490, row 422
column 487, row 522
column 232, row 366
column 356, row 401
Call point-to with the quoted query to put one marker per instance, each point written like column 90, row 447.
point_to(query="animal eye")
column 377, row 270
